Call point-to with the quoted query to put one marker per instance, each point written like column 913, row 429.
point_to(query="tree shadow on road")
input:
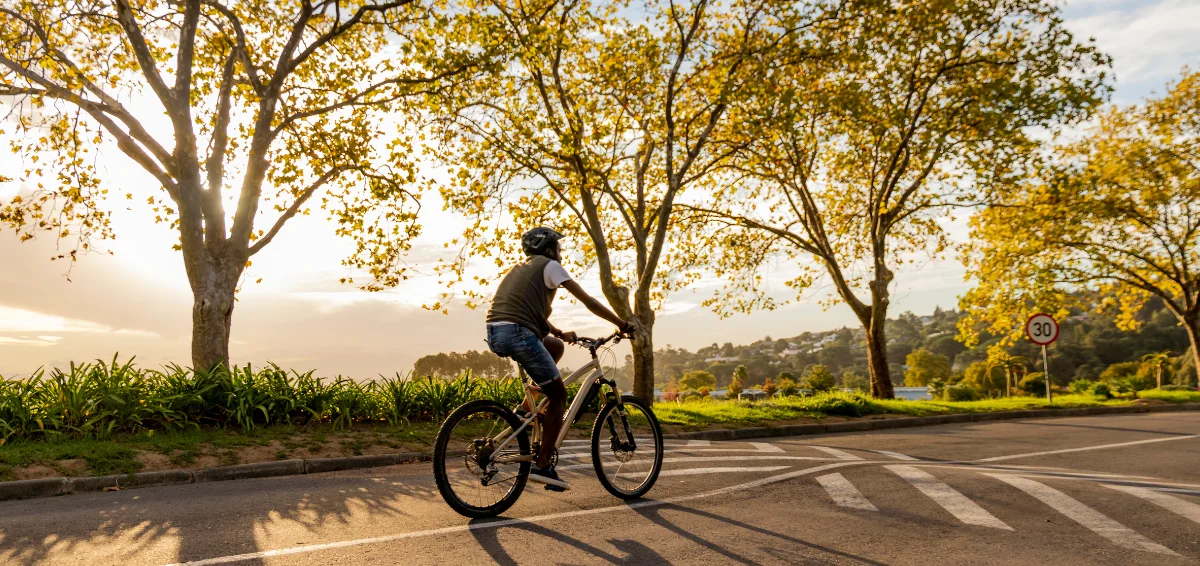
column 655, row 514
column 195, row 521
column 632, row 552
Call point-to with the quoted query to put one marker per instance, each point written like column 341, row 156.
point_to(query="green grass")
column 713, row 412
column 1172, row 396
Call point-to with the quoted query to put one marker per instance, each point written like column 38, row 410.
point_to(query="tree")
column 855, row 381
column 1114, row 213
column 696, row 380
column 857, row 157
column 484, row 364
column 925, row 367
column 736, row 386
column 284, row 102
column 770, row 387
column 819, row 379
column 596, row 124
column 1158, row 360
column 989, row 379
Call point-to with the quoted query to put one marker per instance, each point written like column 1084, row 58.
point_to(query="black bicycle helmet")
column 538, row 240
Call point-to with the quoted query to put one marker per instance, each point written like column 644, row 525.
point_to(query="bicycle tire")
column 440, row 454
column 598, row 430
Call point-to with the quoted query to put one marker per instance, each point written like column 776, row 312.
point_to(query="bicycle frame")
column 576, row 405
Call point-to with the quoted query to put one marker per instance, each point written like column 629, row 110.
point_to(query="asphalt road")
column 1092, row 490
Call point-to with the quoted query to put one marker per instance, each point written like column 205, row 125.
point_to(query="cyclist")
column 518, row 327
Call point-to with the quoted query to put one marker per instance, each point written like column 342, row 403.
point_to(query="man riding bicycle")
column 518, row 327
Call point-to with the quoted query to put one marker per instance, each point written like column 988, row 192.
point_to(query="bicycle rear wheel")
column 627, row 448
column 464, row 466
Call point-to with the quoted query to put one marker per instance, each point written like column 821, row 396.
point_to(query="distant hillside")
column 1089, row 343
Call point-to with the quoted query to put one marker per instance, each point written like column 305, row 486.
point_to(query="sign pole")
column 1042, row 330
column 1046, row 373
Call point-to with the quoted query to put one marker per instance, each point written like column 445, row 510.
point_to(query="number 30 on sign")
column 1041, row 329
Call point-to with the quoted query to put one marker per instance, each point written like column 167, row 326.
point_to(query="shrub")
column 1131, row 383
column 697, row 379
column 1082, row 386
column 1120, row 371
column 788, row 387
column 1033, row 384
column 837, row 404
column 960, row 392
column 770, row 388
column 819, row 379
column 1101, row 390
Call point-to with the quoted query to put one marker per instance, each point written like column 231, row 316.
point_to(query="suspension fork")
column 620, row 410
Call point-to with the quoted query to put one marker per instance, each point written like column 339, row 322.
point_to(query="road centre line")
column 949, row 498
column 1090, row 518
column 462, row 528
column 1073, row 476
column 843, row 493
column 1169, row 502
column 1086, row 448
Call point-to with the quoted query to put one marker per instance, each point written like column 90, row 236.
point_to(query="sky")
column 136, row 302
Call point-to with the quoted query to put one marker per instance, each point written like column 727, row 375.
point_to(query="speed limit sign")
column 1041, row 329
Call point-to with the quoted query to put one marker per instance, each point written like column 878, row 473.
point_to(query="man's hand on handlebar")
column 569, row 337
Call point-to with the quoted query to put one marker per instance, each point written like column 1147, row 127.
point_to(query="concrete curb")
column 48, row 487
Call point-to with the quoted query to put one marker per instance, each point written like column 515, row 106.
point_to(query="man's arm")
column 593, row 305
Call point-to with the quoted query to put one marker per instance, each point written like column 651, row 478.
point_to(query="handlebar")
column 593, row 343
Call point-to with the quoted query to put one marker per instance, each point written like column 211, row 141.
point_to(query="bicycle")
column 497, row 450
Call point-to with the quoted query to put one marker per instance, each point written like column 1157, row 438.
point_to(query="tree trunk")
column 877, row 364
column 643, row 356
column 212, row 315
column 1192, row 324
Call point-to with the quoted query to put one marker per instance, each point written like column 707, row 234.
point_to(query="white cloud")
column 14, row 320
column 31, row 341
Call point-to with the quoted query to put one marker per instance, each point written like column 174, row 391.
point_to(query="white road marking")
column 462, row 528
column 1095, row 521
column 701, row 471
column 1086, row 448
column 1169, row 502
column 844, row 493
column 766, row 447
column 699, row 443
column 694, row 459
column 563, row 455
column 949, row 498
column 895, row 455
column 839, row 454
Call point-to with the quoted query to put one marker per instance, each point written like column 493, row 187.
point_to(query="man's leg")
column 554, row 346
column 553, row 421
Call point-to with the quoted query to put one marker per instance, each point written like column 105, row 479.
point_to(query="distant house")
column 718, row 359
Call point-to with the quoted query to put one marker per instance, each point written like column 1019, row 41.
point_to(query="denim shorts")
column 523, row 346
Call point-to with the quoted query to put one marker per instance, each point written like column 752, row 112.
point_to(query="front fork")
column 614, row 393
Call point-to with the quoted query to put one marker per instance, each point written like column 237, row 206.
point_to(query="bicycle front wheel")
column 627, row 448
column 474, row 474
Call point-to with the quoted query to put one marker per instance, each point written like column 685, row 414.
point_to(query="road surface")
column 1092, row 490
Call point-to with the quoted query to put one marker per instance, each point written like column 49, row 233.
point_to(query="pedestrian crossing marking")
column 949, row 498
column 699, row 443
column 839, row 454
column 895, row 455
column 766, row 447
column 1171, row 503
column 1090, row 518
column 843, row 493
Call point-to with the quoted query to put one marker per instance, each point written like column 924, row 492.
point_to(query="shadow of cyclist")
column 631, row 551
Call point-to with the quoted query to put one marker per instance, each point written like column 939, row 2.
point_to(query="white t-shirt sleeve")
column 554, row 275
